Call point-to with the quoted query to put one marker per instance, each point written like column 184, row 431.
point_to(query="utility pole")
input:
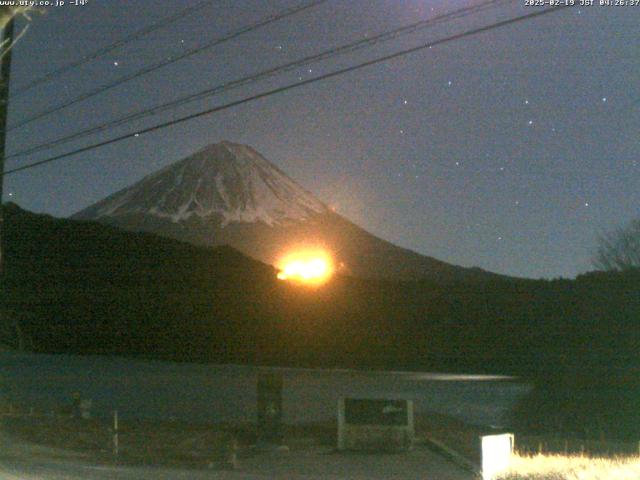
column 5, row 72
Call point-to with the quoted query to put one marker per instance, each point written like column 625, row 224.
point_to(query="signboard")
column 270, row 408
column 375, row 424
column 375, row 412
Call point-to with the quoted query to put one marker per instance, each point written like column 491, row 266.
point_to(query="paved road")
column 29, row 462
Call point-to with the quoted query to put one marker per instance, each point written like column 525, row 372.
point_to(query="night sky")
column 510, row 150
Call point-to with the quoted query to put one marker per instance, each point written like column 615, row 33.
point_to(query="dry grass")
column 537, row 444
column 463, row 438
column 572, row 467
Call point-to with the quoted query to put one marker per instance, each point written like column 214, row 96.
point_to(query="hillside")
column 81, row 287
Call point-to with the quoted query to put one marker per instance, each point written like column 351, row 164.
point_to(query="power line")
column 152, row 68
column 250, row 79
column 109, row 48
column 285, row 88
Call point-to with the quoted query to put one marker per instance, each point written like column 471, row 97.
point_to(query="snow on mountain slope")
column 228, row 181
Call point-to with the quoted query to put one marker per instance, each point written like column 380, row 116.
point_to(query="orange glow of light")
column 309, row 267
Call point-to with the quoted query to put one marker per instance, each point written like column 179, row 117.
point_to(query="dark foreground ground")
column 198, row 445
column 62, row 447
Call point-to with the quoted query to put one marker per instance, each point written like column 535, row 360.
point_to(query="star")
column 450, row 83
column 530, row 122
column 115, row 64
column 526, row 102
column 586, row 204
column 604, row 99
column 406, row 102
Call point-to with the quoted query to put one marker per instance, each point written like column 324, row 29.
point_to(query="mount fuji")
column 228, row 193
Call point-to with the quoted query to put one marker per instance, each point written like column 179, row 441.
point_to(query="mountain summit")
column 224, row 182
column 230, row 194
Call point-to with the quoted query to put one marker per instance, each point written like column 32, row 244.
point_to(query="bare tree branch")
column 619, row 249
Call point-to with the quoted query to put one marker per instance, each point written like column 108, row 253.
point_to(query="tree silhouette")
column 620, row 249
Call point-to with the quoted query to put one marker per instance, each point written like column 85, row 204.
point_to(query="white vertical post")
column 495, row 454
column 115, row 432
column 410, row 425
column 341, row 424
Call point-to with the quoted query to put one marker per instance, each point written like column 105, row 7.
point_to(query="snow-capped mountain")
column 230, row 194
column 226, row 181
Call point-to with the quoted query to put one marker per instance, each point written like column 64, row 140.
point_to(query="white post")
column 496, row 452
column 341, row 424
column 411, row 431
column 115, row 432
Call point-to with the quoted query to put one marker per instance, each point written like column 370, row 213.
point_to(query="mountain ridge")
column 228, row 193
